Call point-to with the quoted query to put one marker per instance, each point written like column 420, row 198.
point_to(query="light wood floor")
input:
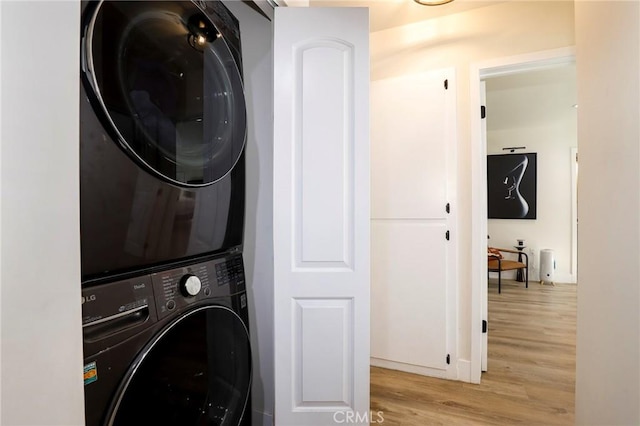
column 531, row 373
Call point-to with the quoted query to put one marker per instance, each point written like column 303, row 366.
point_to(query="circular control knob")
column 190, row 285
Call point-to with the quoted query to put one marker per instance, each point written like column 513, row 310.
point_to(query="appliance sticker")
column 90, row 373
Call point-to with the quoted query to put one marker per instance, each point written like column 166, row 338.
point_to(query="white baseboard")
column 409, row 368
column 462, row 373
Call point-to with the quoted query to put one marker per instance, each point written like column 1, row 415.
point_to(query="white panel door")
column 321, row 215
column 412, row 225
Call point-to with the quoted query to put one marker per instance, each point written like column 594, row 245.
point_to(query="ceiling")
column 392, row 13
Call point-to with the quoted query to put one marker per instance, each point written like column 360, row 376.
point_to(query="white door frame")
column 478, row 71
column 483, row 305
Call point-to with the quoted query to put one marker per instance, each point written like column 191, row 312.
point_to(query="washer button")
column 207, row 291
column 171, row 305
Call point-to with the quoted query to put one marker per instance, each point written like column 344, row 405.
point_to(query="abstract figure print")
column 511, row 186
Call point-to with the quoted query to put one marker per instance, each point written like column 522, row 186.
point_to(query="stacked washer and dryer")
column 163, row 129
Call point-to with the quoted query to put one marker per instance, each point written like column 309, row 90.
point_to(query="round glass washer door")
column 167, row 87
column 195, row 372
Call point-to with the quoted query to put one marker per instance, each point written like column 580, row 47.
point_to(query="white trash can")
column 547, row 266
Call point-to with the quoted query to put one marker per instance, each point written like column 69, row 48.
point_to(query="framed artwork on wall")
column 511, row 186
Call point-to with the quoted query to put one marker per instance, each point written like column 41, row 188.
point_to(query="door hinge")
column 446, row 235
column 484, row 326
column 448, row 208
column 483, row 111
column 448, row 359
column 446, row 85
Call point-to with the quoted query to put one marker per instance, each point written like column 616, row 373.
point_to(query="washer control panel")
column 230, row 271
column 122, row 308
column 177, row 288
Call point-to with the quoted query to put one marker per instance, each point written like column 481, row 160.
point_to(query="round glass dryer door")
column 168, row 87
column 196, row 372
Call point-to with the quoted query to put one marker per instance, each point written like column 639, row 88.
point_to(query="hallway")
column 531, row 375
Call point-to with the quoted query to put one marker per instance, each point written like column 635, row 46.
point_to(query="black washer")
column 146, row 364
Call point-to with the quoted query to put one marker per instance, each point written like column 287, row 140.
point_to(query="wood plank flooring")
column 531, row 373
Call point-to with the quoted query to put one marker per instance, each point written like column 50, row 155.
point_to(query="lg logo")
column 90, row 298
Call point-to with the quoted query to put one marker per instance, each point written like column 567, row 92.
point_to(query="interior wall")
column 257, row 54
column 41, row 367
column 458, row 40
column 536, row 110
column 608, row 336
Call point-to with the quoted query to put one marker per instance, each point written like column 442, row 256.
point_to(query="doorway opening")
column 509, row 68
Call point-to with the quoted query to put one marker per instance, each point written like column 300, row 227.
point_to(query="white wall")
column 41, row 366
column 257, row 52
column 535, row 109
column 608, row 339
column 458, row 40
